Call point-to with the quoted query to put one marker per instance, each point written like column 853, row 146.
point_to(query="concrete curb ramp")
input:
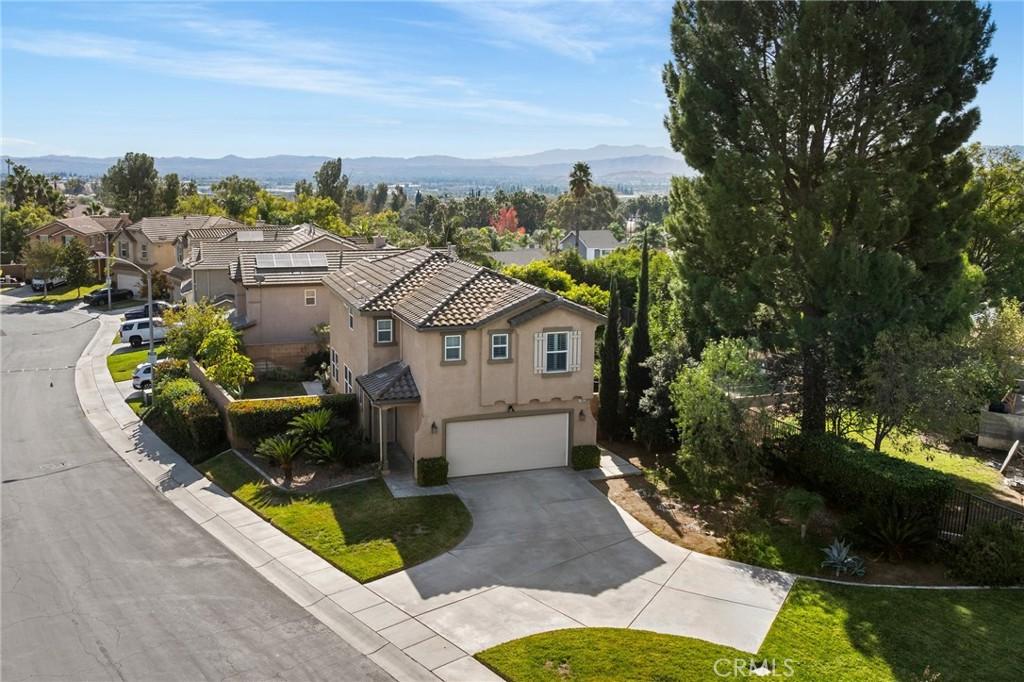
column 401, row 645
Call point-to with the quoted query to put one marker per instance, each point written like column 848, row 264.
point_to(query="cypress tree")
column 608, row 418
column 638, row 376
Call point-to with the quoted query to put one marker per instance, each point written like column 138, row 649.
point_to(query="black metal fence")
column 964, row 511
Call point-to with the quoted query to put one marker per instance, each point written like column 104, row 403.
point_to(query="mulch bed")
column 309, row 478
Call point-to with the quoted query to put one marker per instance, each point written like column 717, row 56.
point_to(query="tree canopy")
column 131, row 185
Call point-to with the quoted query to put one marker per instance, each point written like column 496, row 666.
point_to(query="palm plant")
column 309, row 426
column 281, row 450
column 322, row 451
column 580, row 182
column 802, row 505
column 94, row 208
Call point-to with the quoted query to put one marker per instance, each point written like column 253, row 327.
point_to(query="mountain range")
column 610, row 164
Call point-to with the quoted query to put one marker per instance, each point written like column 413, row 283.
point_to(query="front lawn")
column 360, row 528
column 122, row 365
column 63, row 294
column 824, row 631
column 273, row 389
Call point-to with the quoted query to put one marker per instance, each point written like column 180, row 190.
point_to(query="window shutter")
column 538, row 353
column 574, row 351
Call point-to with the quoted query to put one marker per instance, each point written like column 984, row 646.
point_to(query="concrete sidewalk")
column 398, row 643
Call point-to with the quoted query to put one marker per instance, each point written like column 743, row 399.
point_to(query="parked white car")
column 136, row 332
column 39, row 283
column 142, row 378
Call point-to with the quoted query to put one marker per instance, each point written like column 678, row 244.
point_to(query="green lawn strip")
column 825, row 631
column 137, row 406
column 360, row 528
column 122, row 365
column 63, row 294
column 274, row 389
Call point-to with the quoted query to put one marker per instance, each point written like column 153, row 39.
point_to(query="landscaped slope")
column 824, row 631
column 360, row 528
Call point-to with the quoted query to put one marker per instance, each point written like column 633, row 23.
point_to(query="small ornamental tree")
column 608, row 417
column 507, row 221
column 74, row 260
column 188, row 327
column 43, row 261
column 638, row 375
column 223, row 362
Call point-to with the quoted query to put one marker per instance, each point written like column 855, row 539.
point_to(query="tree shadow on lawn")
column 840, row 632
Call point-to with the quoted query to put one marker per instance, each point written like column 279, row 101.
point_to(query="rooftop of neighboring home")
column 596, row 239
column 432, row 290
column 294, row 267
column 518, row 256
column 169, row 228
column 88, row 224
column 225, row 250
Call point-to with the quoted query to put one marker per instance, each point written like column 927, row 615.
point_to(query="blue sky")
column 473, row 79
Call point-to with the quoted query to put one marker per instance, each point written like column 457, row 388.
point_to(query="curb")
column 307, row 579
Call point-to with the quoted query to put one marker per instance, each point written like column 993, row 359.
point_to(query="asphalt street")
column 102, row 577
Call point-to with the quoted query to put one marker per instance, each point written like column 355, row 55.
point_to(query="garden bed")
column 273, row 389
column 307, row 477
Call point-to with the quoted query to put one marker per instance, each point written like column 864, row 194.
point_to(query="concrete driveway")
column 549, row 551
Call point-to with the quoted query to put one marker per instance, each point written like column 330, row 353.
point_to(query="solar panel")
column 291, row 260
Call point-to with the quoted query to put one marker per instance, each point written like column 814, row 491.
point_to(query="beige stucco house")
column 452, row 359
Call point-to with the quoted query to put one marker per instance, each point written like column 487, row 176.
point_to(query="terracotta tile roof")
column 168, row 228
column 88, row 224
column 432, row 290
column 390, row 384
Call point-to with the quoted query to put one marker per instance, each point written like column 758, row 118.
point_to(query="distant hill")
column 650, row 166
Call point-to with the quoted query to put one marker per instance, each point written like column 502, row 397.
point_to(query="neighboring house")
column 518, row 256
column 593, row 243
column 456, row 360
column 94, row 231
column 279, row 298
column 151, row 244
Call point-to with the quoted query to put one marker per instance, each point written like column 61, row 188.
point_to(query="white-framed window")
column 452, row 347
column 557, row 352
column 122, row 249
column 144, row 251
column 348, row 380
column 499, row 346
column 68, row 238
column 385, row 331
column 334, row 364
column 44, row 237
column 351, row 318
column 309, row 296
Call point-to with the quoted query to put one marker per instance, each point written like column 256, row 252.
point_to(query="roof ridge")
column 433, row 312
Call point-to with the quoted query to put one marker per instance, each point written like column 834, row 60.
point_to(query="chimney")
column 379, row 241
column 452, row 251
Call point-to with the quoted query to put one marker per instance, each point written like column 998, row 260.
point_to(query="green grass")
column 827, row 632
column 360, row 528
column 137, row 407
column 63, row 294
column 273, row 389
column 122, row 365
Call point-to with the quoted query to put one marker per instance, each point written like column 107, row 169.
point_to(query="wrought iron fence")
column 964, row 511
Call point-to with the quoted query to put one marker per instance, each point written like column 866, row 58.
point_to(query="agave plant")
column 802, row 506
column 281, row 450
column 839, row 559
column 309, row 426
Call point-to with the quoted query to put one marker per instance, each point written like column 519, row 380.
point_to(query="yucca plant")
column 281, row 450
column 802, row 505
column 311, row 425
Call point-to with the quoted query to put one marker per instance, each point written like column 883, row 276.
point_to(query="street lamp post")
column 149, row 300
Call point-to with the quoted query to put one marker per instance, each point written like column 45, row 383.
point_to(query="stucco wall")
column 281, row 315
column 211, row 283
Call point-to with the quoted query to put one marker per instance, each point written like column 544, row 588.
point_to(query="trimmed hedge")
column 856, row 478
column 432, row 471
column 586, row 457
column 255, row 420
column 170, row 368
column 190, row 419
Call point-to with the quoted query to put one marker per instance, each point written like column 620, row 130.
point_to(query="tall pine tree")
column 608, row 417
column 638, row 375
column 828, row 140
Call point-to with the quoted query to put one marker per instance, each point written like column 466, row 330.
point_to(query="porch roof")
column 390, row 384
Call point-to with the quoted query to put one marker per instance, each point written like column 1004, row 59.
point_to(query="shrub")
column 894, row 531
column 839, row 559
column 802, row 505
column 990, row 554
column 432, row 471
column 858, row 479
column 315, row 359
column 586, row 457
column 205, row 426
column 281, row 450
column 312, row 425
column 190, row 419
column 258, row 419
column 170, row 368
column 173, row 390
column 753, row 547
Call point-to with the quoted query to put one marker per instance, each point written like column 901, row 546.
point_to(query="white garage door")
column 488, row 446
column 133, row 282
